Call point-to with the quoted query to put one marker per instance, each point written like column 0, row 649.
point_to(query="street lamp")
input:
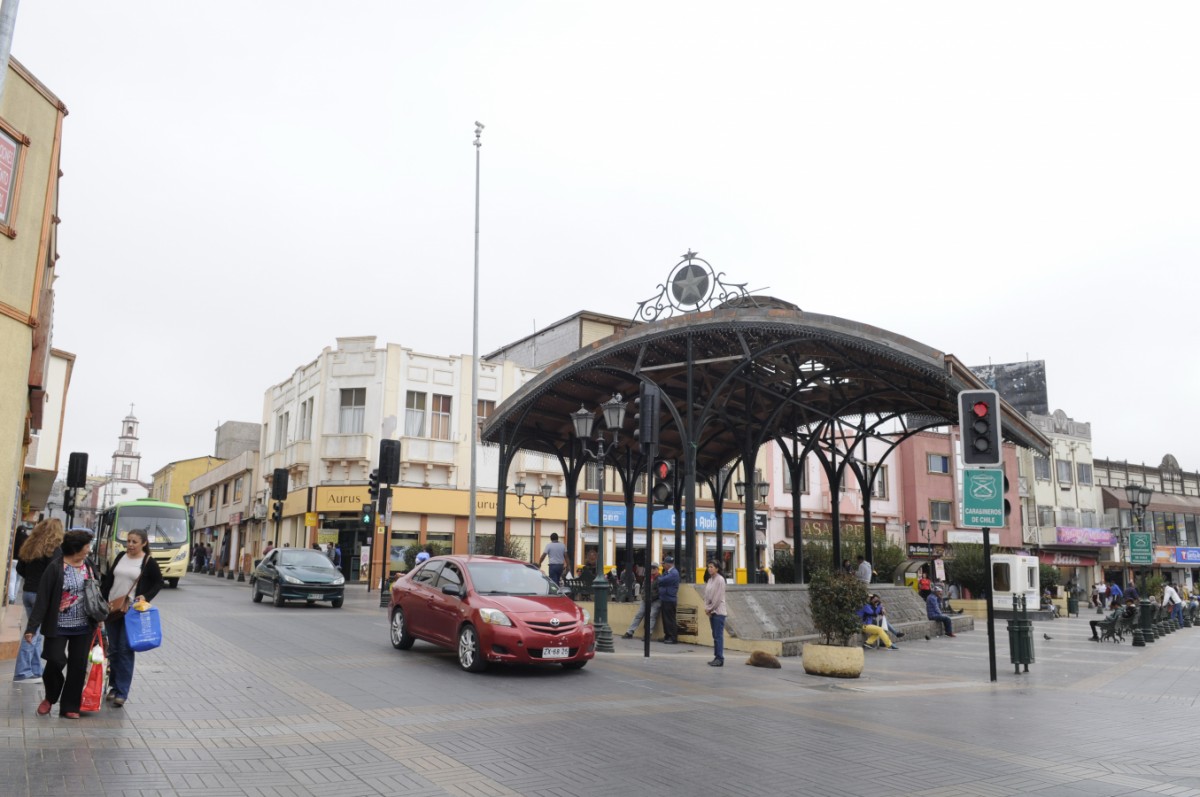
column 519, row 489
column 928, row 534
column 583, row 420
column 761, row 489
column 1139, row 497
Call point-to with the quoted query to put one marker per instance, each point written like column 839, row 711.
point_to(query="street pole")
column 604, row 640
column 475, row 356
column 991, row 609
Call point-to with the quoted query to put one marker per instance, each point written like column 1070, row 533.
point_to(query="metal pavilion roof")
column 760, row 369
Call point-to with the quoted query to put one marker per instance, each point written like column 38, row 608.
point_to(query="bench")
column 580, row 589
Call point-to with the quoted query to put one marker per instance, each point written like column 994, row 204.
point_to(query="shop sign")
column 974, row 537
column 614, row 515
column 1164, row 554
column 1188, row 556
column 823, row 530
column 1060, row 559
column 1090, row 538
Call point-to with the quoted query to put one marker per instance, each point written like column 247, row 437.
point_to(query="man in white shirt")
column 864, row 570
column 1173, row 602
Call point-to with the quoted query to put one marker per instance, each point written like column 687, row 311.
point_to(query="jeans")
column 1177, row 613
column 641, row 612
column 946, row 622
column 29, row 657
column 70, row 652
column 556, row 572
column 120, row 658
column 873, row 635
column 717, row 621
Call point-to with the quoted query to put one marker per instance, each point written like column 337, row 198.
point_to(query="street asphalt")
column 248, row 699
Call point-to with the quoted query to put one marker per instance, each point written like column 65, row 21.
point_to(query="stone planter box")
column 832, row 660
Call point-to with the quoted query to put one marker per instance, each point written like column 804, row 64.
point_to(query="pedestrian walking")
column 556, row 552
column 655, row 606
column 1173, row 602
column 36, row 554
column 337, row 556
column 933, row 610
column 58, row 612
column 134, row 577
column 714, row 607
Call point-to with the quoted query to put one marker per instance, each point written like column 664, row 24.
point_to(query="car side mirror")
column 452, row 589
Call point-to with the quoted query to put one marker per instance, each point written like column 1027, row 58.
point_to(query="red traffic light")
column 980, row 408
column 663, row 470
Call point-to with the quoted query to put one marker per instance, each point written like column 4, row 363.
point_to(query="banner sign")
column 1189, row 556
column 1059, row 559
column 1091, row 538
column 614, row 516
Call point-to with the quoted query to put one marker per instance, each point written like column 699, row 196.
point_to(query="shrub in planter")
column 834, row 597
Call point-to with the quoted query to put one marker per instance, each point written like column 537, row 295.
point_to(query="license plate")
column 315, row 597
column 555, row 653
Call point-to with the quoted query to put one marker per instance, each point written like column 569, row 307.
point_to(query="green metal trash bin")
column 1072, row 606
column 1020, row 636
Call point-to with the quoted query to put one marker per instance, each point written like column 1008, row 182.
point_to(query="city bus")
column 166, row 528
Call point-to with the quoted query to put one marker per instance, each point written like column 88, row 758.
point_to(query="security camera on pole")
column 983, row 482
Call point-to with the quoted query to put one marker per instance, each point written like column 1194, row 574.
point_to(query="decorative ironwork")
column 691, row 286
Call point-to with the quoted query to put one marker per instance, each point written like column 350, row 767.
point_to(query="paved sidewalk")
column 246, row 699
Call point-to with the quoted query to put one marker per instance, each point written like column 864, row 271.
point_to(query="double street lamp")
column 761, row 489
column 546, row 490
column 928, row 531
column 1138, row 496
column 583, row 421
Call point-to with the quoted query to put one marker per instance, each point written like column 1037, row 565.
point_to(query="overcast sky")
column 246, row 181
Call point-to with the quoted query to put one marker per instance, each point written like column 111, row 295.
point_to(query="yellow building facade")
column 170, row 482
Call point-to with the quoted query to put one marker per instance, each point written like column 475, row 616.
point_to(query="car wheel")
column 338, row 601
column 255, row 595
column 172, row 583
column 470, row 657
column 278, row 596
column 574, row 665
column 401, row 639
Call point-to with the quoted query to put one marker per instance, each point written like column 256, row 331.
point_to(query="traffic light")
column 389, row 461
column 373, row 481
column 277, row 515
column 368, row 515
column 279, row 484
column 663, row 491
column 645, row 416
column 979, row 424
column 69, row 500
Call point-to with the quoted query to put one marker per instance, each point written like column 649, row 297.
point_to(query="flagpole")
column 475, row 358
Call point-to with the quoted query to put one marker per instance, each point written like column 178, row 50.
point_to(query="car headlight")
column 494, row 617
column 179, row 557
column 587, row 617
column 291, row 579
column 337, row 582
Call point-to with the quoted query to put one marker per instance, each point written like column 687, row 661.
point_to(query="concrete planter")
column 832, row 660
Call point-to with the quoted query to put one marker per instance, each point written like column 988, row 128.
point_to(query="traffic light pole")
column 651, row 452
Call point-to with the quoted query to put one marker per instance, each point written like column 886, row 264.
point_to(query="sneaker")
column 899, row 635
column 33, row 679
column 893, row 647
column 717, row 663
column 626, row 636
column 869, row 646
column 118, row 702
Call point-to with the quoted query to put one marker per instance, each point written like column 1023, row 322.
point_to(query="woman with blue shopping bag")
column 133, row 578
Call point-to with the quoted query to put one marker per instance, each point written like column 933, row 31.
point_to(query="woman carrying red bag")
column 58, row 611
column 133, row 577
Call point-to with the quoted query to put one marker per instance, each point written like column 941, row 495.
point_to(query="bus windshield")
column 165, row 526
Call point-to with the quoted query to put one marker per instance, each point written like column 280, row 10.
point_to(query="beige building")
column 171, row 482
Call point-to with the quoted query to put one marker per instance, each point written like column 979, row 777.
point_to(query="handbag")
column 143, row 629
column 93, row 688
column 118, row 606
column 94, row 605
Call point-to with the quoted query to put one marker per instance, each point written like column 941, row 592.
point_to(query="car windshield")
column 509, row 578
column 164, row 526
column 304, row 558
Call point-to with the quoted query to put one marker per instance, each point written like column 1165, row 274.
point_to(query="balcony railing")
column 346, row 446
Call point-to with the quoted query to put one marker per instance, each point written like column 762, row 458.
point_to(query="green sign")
column 1141, row 548
column 983, row 499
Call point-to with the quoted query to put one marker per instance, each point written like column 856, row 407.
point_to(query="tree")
column 485, row 544
column 784, row 567
column 1048, row 575
column 967, row 568
column 834, row 597
column 886, row 558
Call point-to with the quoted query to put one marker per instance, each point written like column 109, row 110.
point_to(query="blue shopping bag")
column 143, row 630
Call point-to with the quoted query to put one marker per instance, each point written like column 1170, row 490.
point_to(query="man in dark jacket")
column 668, row 597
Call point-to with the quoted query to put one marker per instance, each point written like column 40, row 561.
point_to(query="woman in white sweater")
column 714, row 607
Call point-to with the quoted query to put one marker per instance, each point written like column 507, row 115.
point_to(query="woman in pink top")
column 714, row 607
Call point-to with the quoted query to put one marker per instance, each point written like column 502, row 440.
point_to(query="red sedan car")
column 490, row 609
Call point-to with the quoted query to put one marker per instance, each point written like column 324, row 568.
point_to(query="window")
column 414, row 414
column 1067, row 516
column 1041, row 469
column 483, row 410
column 591, row 476
column 939, row 463
column 1087, row 518
column 353, row 410
column 237, row 489
column 225, row 494
column 281, row 425
column 724, row 478
column 450, row 577
column 1045, row 516
column 1000, row 577
column 439, row 420
column 1084, row 472
column 124, row 471
column 879, row 486
column 787, row 479
column 428, row 573
column 304, row 430
column 212, row 498
column 1063, row 467
column 939, row 511
column 12, row 157
column 125, row 447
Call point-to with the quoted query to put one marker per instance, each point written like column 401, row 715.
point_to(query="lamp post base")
column 604, row 637
column 1139, row 641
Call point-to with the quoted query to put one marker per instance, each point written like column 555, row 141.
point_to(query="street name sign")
column 1141, row 548
column 983, row 498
